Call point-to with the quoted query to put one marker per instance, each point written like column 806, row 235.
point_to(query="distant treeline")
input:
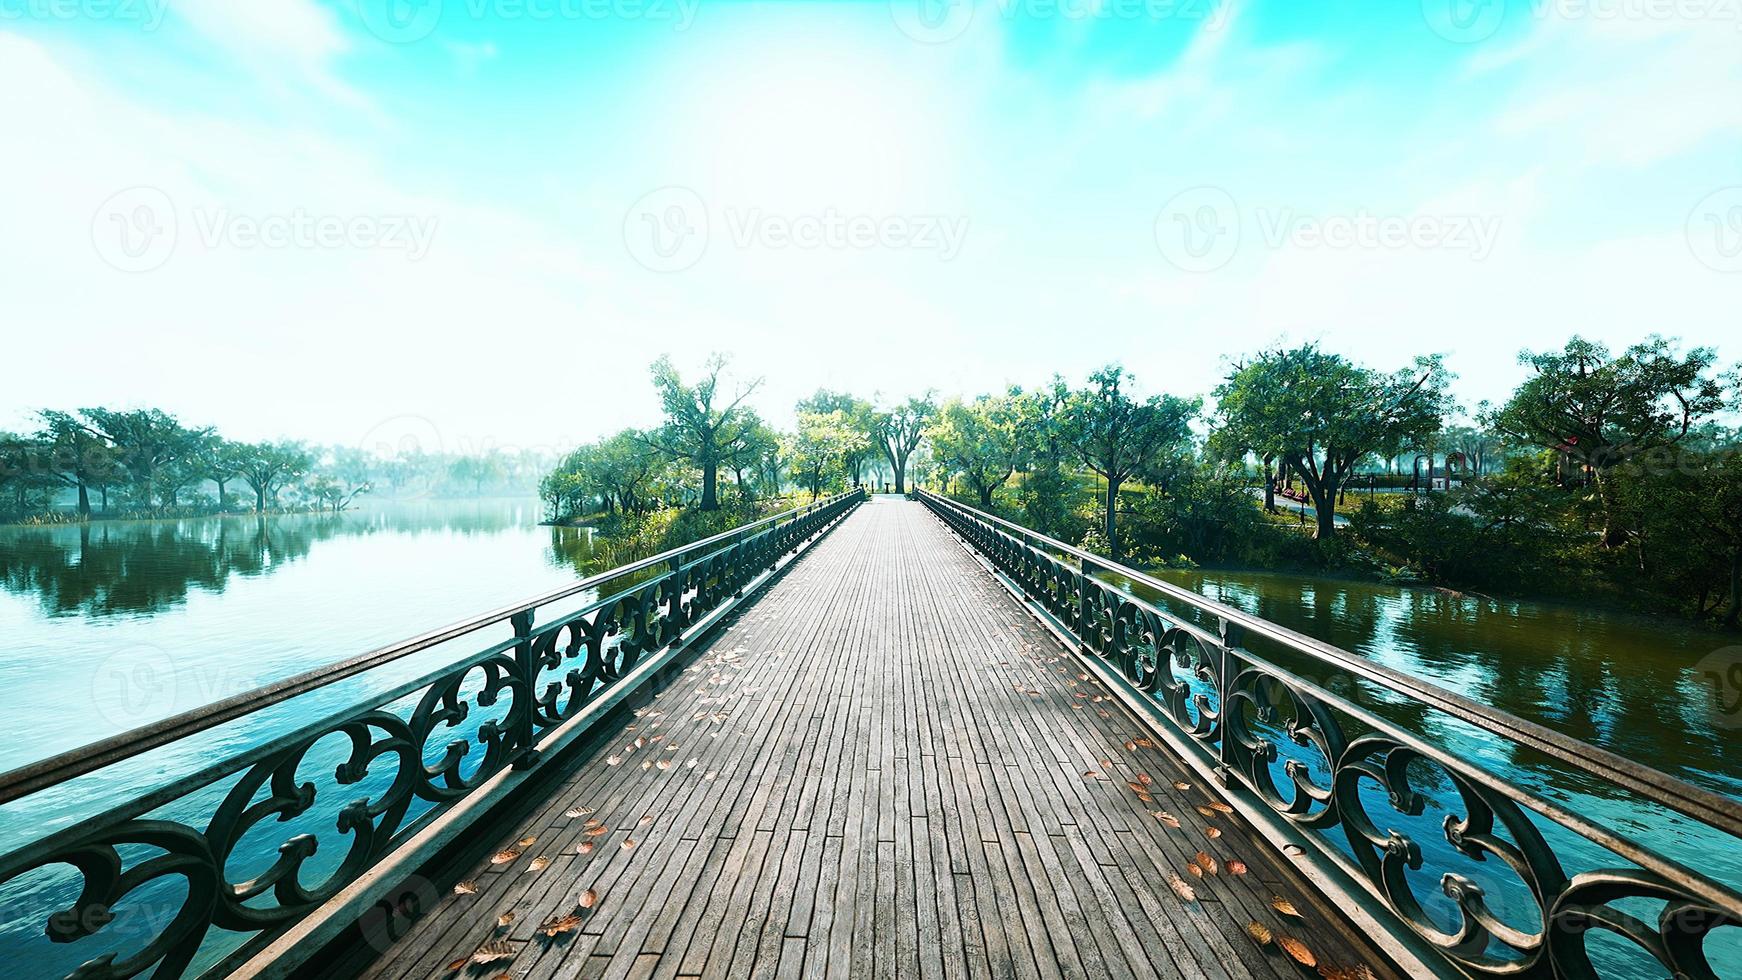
column 1604, row 474
column 99, row 462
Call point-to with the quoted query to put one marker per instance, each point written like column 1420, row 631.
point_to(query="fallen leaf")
column 1297, row 951
column 1182, row 785
column 615, row 760
column 505, row 856
column 560, row 924
column 538, row 864
column 584, row 847
column 589, row 898
column 495, row 949
column 1130, row 746
column 1293, row 850
column 459, row 964
column 1286, row 907
column 528, row 841
column 467, row 887
column 1180, row 888
column 1221, row 807
column 1236, row 867
column 1206, row 861
column 1145, row 778
column 1259, row 932
column 505, row 920
column 1196, row 871
column 1213, row 833
column 629, row 843
column 1206, row 811
column 1167, row 818
column 577, row 811
column 596, row 831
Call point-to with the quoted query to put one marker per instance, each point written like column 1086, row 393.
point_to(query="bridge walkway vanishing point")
column 882, row 766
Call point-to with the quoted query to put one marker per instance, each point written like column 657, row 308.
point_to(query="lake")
column 108, row 626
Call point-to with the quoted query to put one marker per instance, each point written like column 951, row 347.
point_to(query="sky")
column 477, row 222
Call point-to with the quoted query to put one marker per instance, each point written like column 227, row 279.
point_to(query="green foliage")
column 821, row 452
column 899, row 430
column 1321, row 415
column 981, row 442
column 1121, row 438
column 701, row 427
column 1602, row 412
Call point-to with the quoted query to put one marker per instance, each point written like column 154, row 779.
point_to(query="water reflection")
column 124, row 568
column 1616, row 681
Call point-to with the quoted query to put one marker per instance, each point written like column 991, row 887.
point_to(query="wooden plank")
column 888, row 781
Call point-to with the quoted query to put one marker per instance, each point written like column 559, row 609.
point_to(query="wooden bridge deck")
column 882, row 767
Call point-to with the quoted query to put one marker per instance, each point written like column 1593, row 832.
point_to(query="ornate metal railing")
column 404, row 769
column 1537, row 879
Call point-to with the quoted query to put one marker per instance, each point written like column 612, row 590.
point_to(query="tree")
column 477, row 470
column 1320, row 414
column 333, row 494
column 822, row 442
column 981, row 441
column 899, row 430
column 1048, row 492
column 1120, row 437
column 220, row 460
column 77, row 454
column 859, row 417
column 749, row 454
column 696, row 430
column 148, row 441
column 1602, row 412
column 268, row 466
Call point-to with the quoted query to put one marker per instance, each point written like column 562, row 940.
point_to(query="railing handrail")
column 1699, row 804
column 71, row 764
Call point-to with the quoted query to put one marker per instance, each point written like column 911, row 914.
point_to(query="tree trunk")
column 260, row 500
column 1112, row 530
column 84, row 500
column 986, row 498
column 1269, row 487
column 220, row 484
column 900, row 474
column 1325, row 505
column 1612, row 535
column 710, row 477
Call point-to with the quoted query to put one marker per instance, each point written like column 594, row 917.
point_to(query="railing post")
column 677, row 588
column 1085, row 569
column 1226, row 667
column 524, row 662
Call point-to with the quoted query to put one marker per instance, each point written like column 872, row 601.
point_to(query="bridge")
column 869, row 737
